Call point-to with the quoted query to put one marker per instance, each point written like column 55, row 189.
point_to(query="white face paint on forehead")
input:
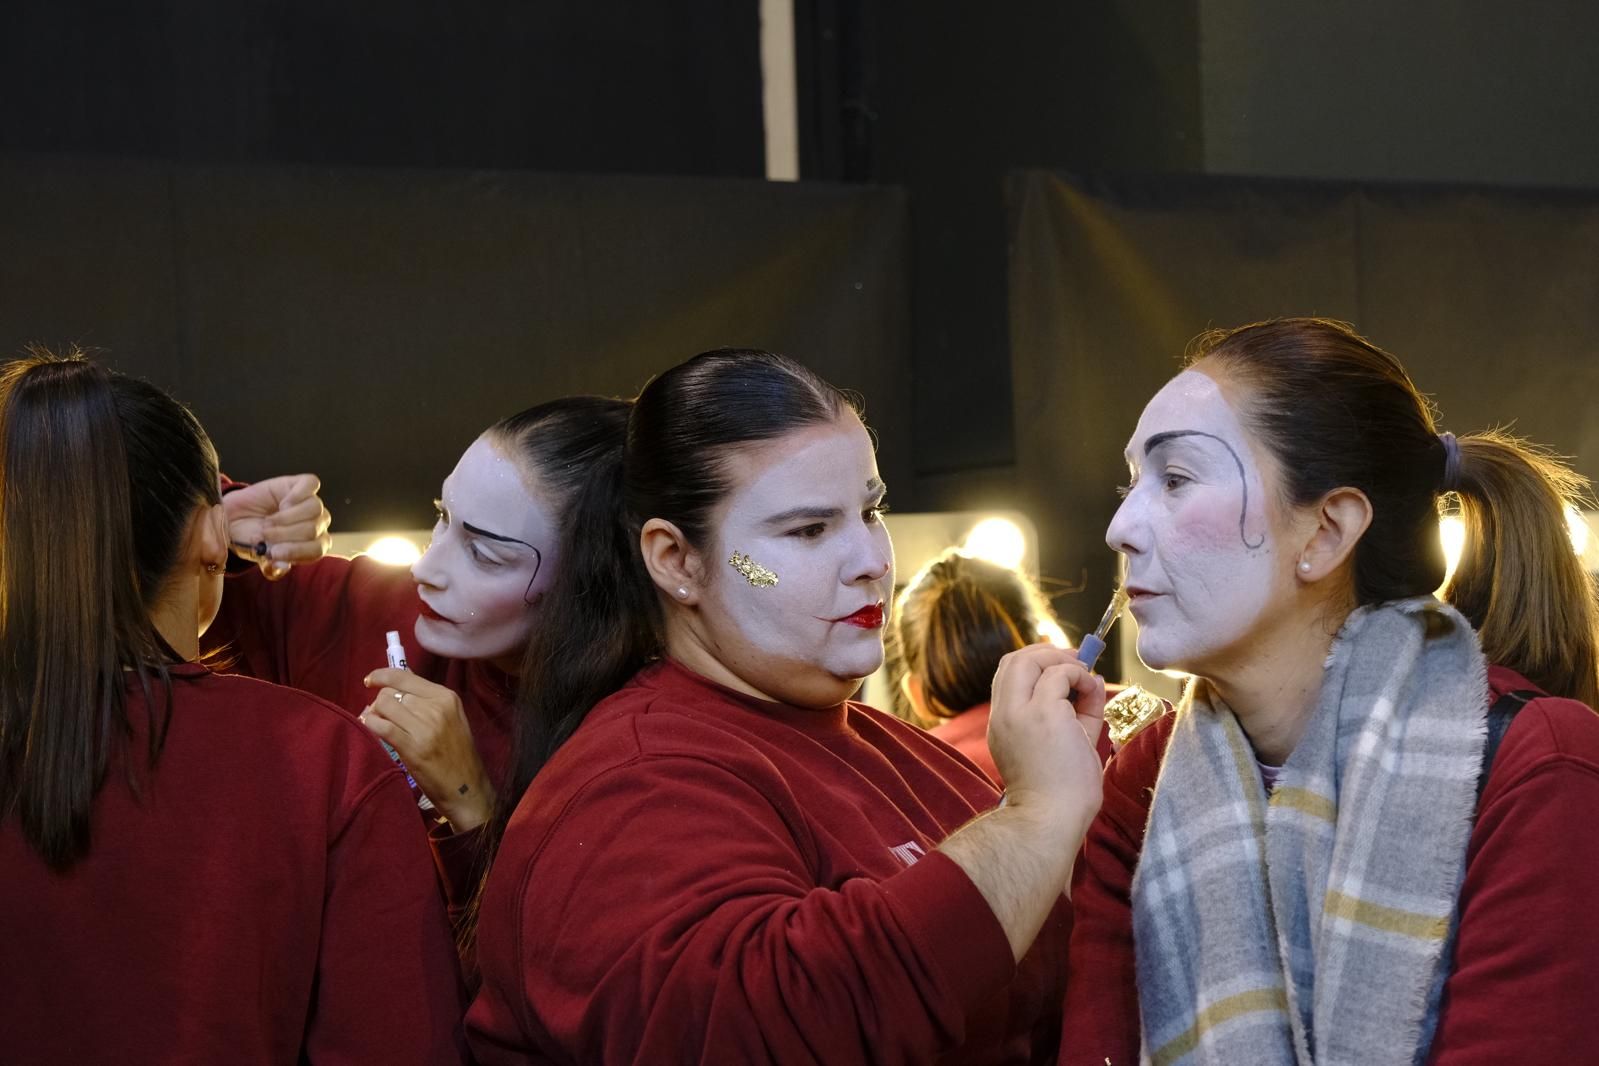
column 806, row 508
column 1203, row 567
column 492, row 553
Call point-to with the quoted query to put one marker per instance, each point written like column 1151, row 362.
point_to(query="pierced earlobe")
column 1304, row 566
column 213, row 568
column 682, row 593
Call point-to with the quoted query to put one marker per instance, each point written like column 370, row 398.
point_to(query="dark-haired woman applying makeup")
column 196, row 867
column 720, row 858
column 463, row 612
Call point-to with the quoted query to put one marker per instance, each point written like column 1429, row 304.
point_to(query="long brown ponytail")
column 99, row 477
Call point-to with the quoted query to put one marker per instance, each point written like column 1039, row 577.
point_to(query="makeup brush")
column 1094, row 644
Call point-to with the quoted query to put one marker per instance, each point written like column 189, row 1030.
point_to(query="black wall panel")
column 368, row 324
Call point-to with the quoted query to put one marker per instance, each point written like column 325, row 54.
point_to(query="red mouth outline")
column 429, row 613
column 869, row 617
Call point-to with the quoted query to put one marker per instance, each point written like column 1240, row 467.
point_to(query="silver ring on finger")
column 399, row 697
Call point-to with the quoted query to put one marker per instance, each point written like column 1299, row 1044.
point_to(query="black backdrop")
column 367, row 324
column 618, row 86
column 1491, row 299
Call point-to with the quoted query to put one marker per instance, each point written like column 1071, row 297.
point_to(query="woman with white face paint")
column 719, row 857
column 1360, row 837
column 464, row 613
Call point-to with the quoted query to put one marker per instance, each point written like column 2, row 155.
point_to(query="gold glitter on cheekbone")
column 753, row 572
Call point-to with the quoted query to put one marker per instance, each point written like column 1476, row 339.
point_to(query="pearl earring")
column 682, row 593
column 1304, row 567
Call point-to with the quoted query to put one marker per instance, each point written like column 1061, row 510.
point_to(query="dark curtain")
column 366, row 325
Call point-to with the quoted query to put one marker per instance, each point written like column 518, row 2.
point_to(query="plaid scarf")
column 1315, row 927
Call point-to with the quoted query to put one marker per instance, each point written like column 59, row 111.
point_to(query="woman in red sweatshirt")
column 952, row 624
column 722, row 859
column 197, row 867
column 1366, row 835
column 463, row 612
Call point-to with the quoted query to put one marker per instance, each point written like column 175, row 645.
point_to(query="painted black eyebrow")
column 438, row 505
column 1158, row 439
column 815, row 514
column 538, row 556
column 820, row 514
column 485, row 534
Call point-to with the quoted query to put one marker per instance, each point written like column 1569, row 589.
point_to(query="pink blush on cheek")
column 1208, row 528
column 1216, row 587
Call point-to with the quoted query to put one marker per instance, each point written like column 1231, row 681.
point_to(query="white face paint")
column 491, row 556
column 807, row 508
column 1203, row 566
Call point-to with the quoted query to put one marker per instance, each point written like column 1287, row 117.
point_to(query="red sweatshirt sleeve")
column 319, row 628
column 1100, row 1018
column 1526, row 978
column 383, row 917
column 669, row 915
column 458, row 860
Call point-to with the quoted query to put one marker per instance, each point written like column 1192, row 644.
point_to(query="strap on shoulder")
column 1500, row 715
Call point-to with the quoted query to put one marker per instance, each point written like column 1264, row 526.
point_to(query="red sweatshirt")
column 967, row 733
column 320, row 629
column 1526, row 967
column 268, row 898
column 700, row 876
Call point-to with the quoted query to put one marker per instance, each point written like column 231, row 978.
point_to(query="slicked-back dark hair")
column 608, row 621
column 1336, row 410
column 605, row 620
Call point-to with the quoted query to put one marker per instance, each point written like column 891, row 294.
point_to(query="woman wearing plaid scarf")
column 1327, row 855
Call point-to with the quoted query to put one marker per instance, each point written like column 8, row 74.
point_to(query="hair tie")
column 1451, row 478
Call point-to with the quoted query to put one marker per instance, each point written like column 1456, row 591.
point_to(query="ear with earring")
column 1304, row 566
column 213, row 568
column 682, row 593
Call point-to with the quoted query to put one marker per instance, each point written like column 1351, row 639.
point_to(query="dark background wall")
column 368, row 324
column 1427, row 90
column 619, row 86
column 929, row 99
column 347, row 191
column 947, row 102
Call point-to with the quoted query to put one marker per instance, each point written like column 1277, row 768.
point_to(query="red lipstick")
column 428, row 612
column 870, row 617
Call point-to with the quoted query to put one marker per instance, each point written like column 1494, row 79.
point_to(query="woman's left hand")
column 425, row 723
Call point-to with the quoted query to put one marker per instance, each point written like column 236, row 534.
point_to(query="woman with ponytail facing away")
column 197, row 868
column 952, row 624
column 1367, row 835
